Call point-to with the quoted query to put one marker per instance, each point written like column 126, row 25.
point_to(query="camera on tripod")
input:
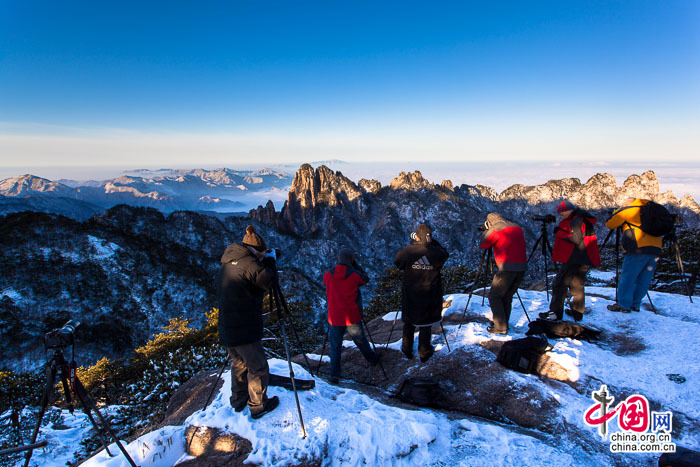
column 61, row 337
column 548, row 219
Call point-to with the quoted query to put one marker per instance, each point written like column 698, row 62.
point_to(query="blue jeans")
column 635, row 278
column 358, row 336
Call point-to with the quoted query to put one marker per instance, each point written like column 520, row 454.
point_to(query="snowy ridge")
column 350, row 428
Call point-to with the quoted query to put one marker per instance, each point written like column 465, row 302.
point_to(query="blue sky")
column 205, row 82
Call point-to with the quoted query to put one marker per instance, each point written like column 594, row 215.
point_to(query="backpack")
column 655, row 219
column 421, row 390
column 523, row 355
column 559, row 329
column 683, row 457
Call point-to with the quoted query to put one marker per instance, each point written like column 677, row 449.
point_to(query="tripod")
column 679, row 263
column 546, row 249
column 488, row 256
column 59, row 366
column 280, row 304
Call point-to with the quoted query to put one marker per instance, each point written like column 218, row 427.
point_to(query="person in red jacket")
column 508, row 243
column 576, row 247
column 345, row 309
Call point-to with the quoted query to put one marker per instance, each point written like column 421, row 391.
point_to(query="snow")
column 102, row 248
column 347, row 427
column 11, row 293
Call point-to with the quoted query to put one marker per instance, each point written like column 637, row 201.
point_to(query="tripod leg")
column 471, row 292
column 391, row 331
column 323, row 348
column 289, row 359
column 88, row 405
column 445, row 336
column 374, row 347
column 211, row 394
column 681, row 270
column 283, row 301
column 48, row 390
column 545, row 248
column 653, row 308
column 523, row 305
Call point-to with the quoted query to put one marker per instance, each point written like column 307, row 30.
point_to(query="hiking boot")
column 333, row 379
column 577, row 315
column 549, row 316
column 270, row 405
column 426, row 355
column 491, row 329
column 617, row 308
column 408, row 353
column 237, row 405
column 635, row 308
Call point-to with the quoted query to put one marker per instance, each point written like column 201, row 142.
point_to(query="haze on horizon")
column 85, row 84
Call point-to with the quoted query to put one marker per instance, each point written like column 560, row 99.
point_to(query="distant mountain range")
column 220, row 190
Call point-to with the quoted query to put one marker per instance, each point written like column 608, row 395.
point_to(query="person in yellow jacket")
column 642, row 252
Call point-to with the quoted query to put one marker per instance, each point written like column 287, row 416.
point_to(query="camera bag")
column 422, row 391
column 524, row 354
column 558, row 329
column 683, row 457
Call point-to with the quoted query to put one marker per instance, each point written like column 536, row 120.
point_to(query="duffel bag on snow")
column 523, row 355
column 558, row 329
column 683, row 457
column 421, row 390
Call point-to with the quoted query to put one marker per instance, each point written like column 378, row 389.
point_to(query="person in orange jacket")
column 642, row 252
column 576, row 247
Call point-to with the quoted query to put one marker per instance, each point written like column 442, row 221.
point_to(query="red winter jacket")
column 343, row 294
column 508, row 242
column 575, row 241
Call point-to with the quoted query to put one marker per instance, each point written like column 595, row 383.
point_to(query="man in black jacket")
column 421, row 294
column 247, row 271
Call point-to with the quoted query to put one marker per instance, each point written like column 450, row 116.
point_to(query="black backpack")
column 523, row 355
column 655, row 219
column 559, row 329
column 421, row 390
column 683, row 457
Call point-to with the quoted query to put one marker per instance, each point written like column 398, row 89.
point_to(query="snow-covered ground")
column 346, row 427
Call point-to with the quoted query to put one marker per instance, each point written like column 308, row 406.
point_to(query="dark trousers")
column 357, row 334
column 424, row 337
column 569, row 277
column 503, row 287
column 250, row 375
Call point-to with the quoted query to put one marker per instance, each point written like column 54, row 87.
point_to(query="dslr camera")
column 61, row 337
column 546, row 219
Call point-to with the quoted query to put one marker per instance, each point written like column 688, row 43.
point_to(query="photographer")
column 508, row 243
column 576, row 247
column 247, row 271
column 343, row 284
column 421, row 293
column 642, row 252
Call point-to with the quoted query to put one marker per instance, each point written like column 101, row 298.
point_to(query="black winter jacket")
column 242, row 283
column 421, row 294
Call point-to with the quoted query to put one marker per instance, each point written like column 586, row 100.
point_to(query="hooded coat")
column 575, row 241
column 421, row 293
column 508, row 243
column 242, row 282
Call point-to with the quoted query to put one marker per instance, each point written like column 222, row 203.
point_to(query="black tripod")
column 487, row 255
column 679, row 263
column 280, row 304
column 58, row 366
column 546, row 247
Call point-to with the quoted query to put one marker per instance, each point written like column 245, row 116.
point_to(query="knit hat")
column 565, row 205
column 346, row 256
column 425, row 233
column 252, row 238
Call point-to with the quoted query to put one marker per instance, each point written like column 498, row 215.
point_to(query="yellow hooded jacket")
column 634, row 239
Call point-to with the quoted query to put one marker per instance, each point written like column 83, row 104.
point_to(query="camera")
column 482, row 228
column 546, row 219
column 61, row 337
